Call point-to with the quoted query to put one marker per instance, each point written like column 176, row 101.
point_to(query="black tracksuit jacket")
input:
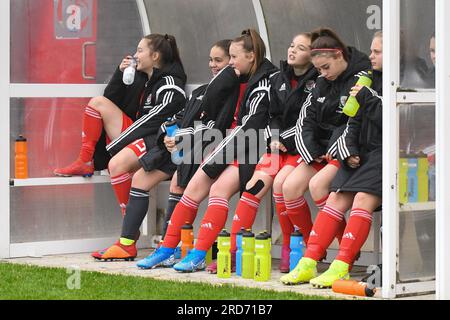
column 321, row 120
column 286, row 103
column 253, row 116
column 163, row 96
column 363, row 137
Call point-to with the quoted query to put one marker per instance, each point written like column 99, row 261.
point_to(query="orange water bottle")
column 187, row 239
column 21, row 161
column 353, row 288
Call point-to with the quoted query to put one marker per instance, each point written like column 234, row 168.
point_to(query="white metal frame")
column 391, row 58
column 443, row 147
column 262, row 26
column 4, row 127
column 144, row 17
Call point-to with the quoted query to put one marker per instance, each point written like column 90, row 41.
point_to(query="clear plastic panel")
column 416, row 66
column 64, row 213
column 52, row 128
column 66, row 41
column 197, row 25
column 354, row 20
column 417, row 192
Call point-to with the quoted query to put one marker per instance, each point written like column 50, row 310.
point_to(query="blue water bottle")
column 239, row 252
column 296, row 246
column 413, row 181
column 171, row 129
column 432, row 182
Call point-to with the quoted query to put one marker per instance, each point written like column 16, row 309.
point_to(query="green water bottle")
column 352, row 106
column 224, row 255
column 248, row 254
column 263, row 259
column 422, row 177
column 403, row 179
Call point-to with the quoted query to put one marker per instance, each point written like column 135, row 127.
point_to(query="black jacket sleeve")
column 170, row 99
column 305, row 132
column 348, row 143
column 371, row 104
column 370, row 109
column 218, row 91
column 116, row 89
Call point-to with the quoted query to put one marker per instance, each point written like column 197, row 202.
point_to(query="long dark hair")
column 166, row 45
column 253, row 43
column 326, row 41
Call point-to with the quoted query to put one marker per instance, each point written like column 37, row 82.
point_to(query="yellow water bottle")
column 248, row 254
column 263, row 258
column 224, row 255
column 352, row 106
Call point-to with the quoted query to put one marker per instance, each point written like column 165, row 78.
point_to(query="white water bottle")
column 129, row 72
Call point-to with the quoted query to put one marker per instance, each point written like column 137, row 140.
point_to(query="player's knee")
column 255, row 188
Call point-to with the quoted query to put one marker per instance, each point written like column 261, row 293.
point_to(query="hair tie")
column 246, row 32
column 167, row 37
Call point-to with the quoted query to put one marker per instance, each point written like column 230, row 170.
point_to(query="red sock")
column 323, row 232
column 122, row 185
column 285, row 223
column 92, row 130
column 300, row 216
column 340, row 232
column 185, row 212
column 355, row 235
column 322, row 202
column 213, row 222
column 245, row 215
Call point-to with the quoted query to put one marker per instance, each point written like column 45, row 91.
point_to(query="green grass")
column 21, row 282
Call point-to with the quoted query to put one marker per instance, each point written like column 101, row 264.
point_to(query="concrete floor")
column 85, row 263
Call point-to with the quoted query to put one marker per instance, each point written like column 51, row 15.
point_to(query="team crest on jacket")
column 343, row 100
column 310, row 84
column 283, row 87
column 149, row 99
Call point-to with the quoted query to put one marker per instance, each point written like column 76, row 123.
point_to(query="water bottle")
column 413, row 183
column 208, row 258
column 248, row 254
column 352, row 106
column 296, row 246
column 403, row 179
column 187, row 239
column 431, row 182
column 263, row 259
column 422, row 177
column 352, row 287
column 171, row 129
column 129, row 72
column 21, row 161
column 224, row 255
column 239, row 252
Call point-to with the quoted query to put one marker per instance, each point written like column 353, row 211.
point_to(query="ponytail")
column 326, row 41
column 252, row 42
column 166, row 45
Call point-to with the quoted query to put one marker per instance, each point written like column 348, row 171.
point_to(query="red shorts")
column 138, row 146
column 320, row 166
column 272, row 163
